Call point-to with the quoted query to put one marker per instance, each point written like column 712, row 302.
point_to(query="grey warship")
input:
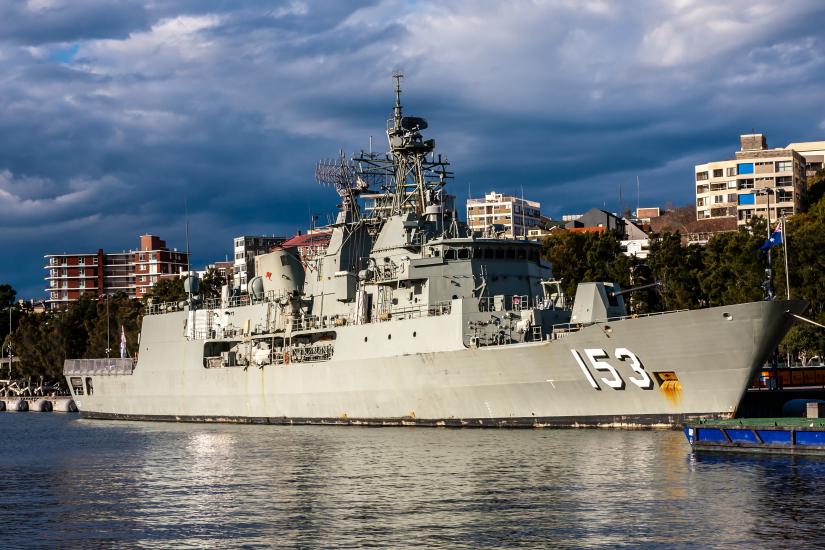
column 409, row 319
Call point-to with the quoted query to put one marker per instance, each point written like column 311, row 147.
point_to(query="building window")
column 784, row 166
column 717, row 173
column 745, row 215
column 81, row 261
column 784, row 180
column 744, row 168
column 732, row 197
column 718, row 199
column 783, row 195
column 95, row 260
column 732, row 184
column 731, row 171
column 701, row 189
column 745, row 184
column 747, row 198
column 701, row 176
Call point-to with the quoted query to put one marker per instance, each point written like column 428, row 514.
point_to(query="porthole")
column 389, row 336
column 413, row 334
column 365, row 338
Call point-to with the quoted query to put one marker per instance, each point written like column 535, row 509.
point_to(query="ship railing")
column 563, row 329
column 162, row 307
column 505, row 302
column 310, row 322
column 412, row 312
column 103, row 366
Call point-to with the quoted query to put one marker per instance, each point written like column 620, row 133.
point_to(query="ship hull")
column 698, row 365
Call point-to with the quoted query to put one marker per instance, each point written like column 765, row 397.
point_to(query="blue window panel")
column 810, row 438
column 742, row 436
column 745, row 168
column 775, row 437
column 710, row 434
column 747, row 198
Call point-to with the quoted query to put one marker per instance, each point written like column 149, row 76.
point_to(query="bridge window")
column 477, row 252
column 489, row 253
column 463, row 253
column 449, row 254
column 522, row 254
column 511, row 254
column 499, row 254
column 89, row 388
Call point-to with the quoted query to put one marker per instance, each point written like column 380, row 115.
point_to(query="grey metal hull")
column 418, row 372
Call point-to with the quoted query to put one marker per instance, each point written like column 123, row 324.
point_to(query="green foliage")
column 677, row 268
column 733, row 270
column 805, row 340
column 210, row 285
column 104, row 328
column 7, row 295
column 168, row 290
column 578, row 257
column 816, row 188
column 42, row 341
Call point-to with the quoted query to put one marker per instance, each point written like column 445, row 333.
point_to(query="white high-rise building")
column 512, row 217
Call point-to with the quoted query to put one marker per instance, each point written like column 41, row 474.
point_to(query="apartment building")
column 93, row 274
column 814, row 154
column 756, row 177
column 246, row 248
column 511, row 217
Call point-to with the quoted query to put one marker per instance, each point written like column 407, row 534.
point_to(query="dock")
column 760, row 435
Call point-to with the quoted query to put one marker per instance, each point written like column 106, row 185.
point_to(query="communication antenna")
column 637, row 195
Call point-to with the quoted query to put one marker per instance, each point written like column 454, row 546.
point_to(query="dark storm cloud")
column 45, row 21
column 117, row 119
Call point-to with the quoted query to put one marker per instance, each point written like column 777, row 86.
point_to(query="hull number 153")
column 614, row 380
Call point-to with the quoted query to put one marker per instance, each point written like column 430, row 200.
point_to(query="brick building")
column 70, row 276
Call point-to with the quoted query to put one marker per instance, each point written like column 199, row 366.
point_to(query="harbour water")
column 69, row 482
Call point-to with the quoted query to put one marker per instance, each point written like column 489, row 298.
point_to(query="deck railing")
column 104, row 366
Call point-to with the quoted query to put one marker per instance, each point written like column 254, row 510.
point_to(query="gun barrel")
column 635, row 288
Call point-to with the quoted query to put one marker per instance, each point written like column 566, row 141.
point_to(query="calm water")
column 69, row 482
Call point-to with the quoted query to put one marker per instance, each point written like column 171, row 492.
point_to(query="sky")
column 124, row 118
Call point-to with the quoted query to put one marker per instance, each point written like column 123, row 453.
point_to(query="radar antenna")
column 343, row 175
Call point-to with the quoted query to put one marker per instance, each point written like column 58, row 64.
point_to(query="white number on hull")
column 586, row 372
column 646, row 383
column 595, row 356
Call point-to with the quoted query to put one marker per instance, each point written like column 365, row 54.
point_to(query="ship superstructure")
column 407, row 317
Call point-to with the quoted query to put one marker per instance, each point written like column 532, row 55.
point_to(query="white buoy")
column 65, row 405
column 17, row 405
column 40, row 405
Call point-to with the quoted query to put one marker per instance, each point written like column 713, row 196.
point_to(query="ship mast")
column 410, row 174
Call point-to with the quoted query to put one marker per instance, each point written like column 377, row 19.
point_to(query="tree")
column 677, row 268
column 8, row 311
column 7, row 296
column 733, row 269
column 582, row 257
column 210, row 285
column 168, row 290
column 104, row 328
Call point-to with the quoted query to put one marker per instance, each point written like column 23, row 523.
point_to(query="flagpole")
column 785, row 250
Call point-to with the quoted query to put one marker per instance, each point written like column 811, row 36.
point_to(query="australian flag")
column 775, row 239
